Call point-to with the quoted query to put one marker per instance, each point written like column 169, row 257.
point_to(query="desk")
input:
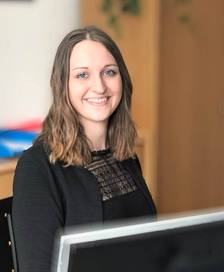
column 7, row 168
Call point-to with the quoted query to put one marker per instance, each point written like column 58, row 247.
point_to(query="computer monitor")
column 182, row 244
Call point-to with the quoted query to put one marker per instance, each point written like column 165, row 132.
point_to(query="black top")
column 51, row 197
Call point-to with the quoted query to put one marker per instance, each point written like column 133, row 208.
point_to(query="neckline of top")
column 100, row 152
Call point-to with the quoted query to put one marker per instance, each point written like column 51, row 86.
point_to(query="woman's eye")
column 82, row 75
column 110, row 73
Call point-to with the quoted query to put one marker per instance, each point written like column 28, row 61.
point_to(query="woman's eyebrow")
column 81, row 67
column 85, row 67
column 112, row 64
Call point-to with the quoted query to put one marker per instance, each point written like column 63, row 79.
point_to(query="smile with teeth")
column 97, row 100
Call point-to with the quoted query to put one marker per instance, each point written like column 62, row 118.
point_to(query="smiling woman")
column 82, row 169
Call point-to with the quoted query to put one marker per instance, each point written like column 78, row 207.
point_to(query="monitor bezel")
column 99, row 233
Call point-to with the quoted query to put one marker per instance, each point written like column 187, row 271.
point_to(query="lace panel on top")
column 113, row 179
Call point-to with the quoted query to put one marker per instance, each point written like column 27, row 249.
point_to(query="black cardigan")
column 49, row 197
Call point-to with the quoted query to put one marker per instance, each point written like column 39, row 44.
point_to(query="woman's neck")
column 97, row 135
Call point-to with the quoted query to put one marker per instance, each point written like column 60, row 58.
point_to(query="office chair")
column 7, row 243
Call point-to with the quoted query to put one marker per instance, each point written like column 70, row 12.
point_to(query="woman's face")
column 95, row 85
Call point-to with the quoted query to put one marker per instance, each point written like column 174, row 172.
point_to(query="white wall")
column 30, row 32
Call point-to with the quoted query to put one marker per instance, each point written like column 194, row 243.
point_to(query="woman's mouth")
column 97, row 100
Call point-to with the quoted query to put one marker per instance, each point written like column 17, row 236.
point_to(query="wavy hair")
column 62, row 130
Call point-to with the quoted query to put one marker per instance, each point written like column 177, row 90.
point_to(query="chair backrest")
column 8, row 260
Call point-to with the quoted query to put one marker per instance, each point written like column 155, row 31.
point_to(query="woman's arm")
column 36, row 213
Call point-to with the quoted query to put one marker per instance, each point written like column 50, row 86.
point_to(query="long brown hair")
column 62, row 130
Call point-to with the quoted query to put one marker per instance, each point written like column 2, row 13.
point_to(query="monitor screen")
column 189, row 243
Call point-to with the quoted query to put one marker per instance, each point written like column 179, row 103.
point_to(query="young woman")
column 82, row 169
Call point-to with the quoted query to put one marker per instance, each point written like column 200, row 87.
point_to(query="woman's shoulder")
column 37, row 152
column 133, row 159
column 133, row 162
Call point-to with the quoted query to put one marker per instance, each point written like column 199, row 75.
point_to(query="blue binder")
column 14, row 142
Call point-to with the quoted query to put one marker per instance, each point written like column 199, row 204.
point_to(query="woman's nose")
column 98, row 84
